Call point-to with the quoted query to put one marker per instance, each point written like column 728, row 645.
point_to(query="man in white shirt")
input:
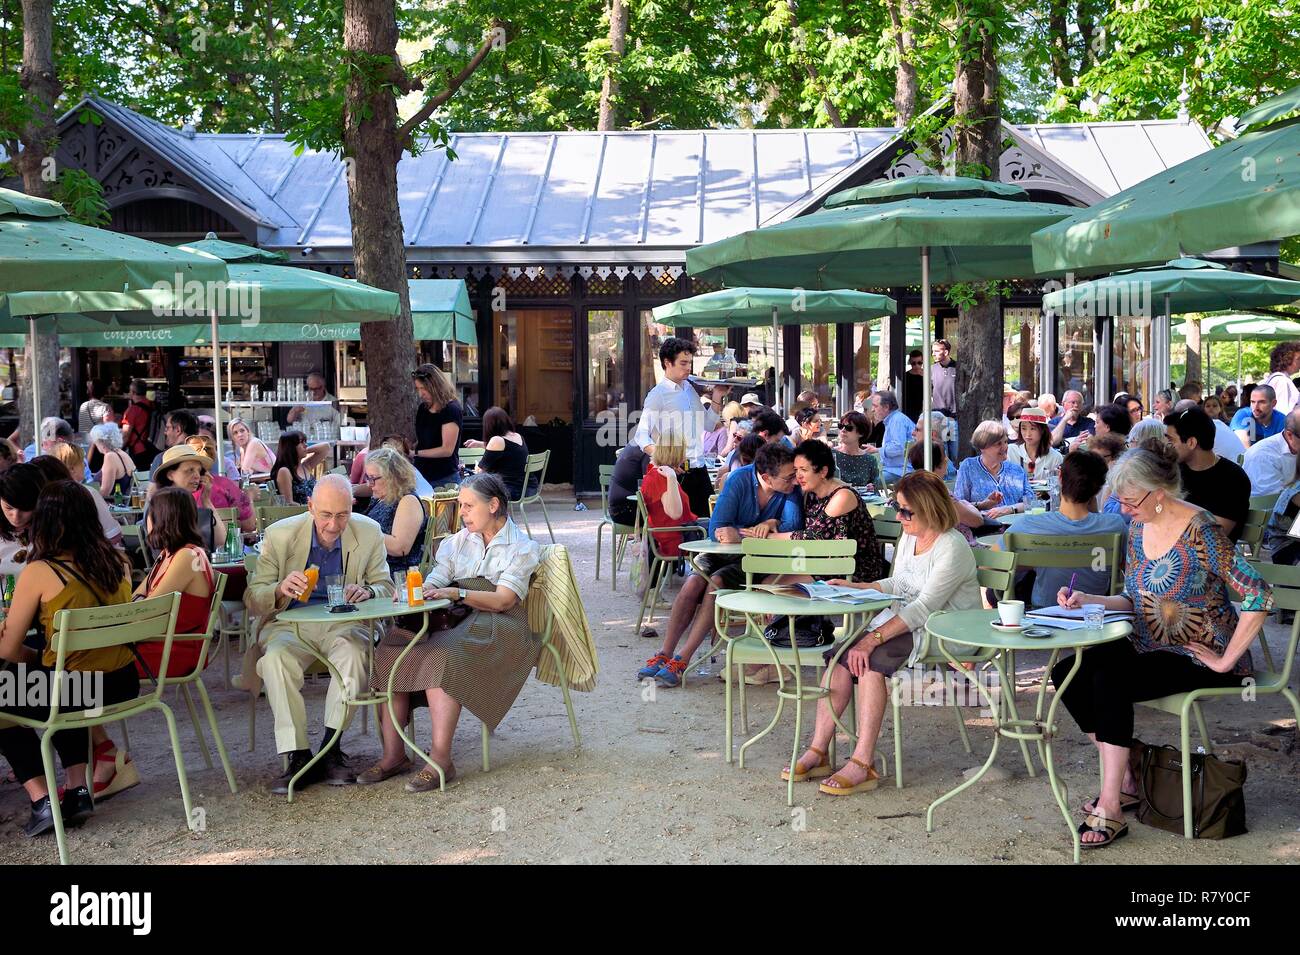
column 1270, row 463
column 305, row 417
column 672, row 406
column 1283, row 363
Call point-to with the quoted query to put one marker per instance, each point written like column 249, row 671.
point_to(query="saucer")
column 1007, row 628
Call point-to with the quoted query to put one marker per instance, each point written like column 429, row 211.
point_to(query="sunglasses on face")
column 906, row 513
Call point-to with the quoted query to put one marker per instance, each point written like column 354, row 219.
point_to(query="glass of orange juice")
column 313, row 577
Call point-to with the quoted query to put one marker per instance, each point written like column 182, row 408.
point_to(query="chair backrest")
column 225, row 514
column 605, row 476
column 713, row 500
column 816, row 558
column 268, row 515
column 444, row 514
column 995, row 569
column 141, row 479
column 469, row 456
column 1252, row 529
column 1285, row 581
column 1097, row 552
column 219, row 581
column 537, row 465
column 1263, row 502
column 96, row 628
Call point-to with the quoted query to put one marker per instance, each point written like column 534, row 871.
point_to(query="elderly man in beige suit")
column 340, row 543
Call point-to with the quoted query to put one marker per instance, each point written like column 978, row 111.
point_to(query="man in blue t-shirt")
column 1083, row 474
column 758, row 499
column 1261, row 420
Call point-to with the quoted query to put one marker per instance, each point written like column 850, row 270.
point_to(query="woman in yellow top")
column 68, row 569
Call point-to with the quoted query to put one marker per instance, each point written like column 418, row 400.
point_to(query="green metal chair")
column 660, row 564
column 1263, row 502
column 270, row 513
column 536, row 466
column 1039, row 551
column 195, row 678
column 470, row 457
column 1252, row 530
column 830, row 558
column 1285, row 581
column 995, row 570
column 98, row 628
column 619, row 534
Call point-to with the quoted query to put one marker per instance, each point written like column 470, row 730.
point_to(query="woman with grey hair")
column 482, row 661
column 1148, row 429
column 1163, row 403
column 988, row 480
column 395, row 507
column 118, row 469
column 1179, row 578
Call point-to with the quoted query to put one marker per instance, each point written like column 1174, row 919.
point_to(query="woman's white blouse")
column 509, row 560
column 943, row 578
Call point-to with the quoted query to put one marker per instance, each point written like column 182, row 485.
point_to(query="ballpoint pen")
column 1069, row 591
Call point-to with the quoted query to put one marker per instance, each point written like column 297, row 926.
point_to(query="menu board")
column 297, row 359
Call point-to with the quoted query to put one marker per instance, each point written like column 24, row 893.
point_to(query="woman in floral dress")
column 1179, row 577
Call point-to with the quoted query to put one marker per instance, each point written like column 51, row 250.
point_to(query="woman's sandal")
column 1112, row 829
column 125, row 775
column 1127, row 803
column 820, row 771
column 844, row 788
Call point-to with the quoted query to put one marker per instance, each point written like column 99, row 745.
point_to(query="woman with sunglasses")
column 437, row 427
column 1179, row 581
column 934, row 569
column 856, row 467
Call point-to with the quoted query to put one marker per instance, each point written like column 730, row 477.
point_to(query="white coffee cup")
column 1012, row 612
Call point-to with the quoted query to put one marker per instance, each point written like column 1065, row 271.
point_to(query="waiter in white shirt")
column 672, row 406
column 1283, row 363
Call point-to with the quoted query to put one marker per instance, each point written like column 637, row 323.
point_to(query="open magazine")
column 820, row 590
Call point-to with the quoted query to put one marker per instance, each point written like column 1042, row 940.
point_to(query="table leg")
column 333, row 740
column 994, row 707
column 780, row 698
column 1049, row 731
column 1008, row 682
column 388, row 699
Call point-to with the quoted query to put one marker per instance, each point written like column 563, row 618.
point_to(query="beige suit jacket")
column 284, row 550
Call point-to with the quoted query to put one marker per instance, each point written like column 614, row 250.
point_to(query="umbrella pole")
column 216, row 395
column 33, row 379
column 777, row 380
column 925, row 361
column 1239, row 364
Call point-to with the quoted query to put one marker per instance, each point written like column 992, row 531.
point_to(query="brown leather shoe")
column 377, row 773
column 426, row 780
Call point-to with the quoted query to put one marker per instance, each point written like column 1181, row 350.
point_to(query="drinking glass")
column 334, row 590
column 399, row 586
column 1094, row 616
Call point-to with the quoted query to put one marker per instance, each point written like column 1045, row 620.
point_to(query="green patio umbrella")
column 1181, row 285
column 1222, row 328
column 748, row 307
column 865, row 237
column 43, row 251
column 1271, row 112
column 1245, row 191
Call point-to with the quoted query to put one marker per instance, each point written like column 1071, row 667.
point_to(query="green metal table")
column 760, row 603
column 971, row 628
column 1012, row 519
column 380, row 608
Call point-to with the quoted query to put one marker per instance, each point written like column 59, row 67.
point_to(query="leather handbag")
column 1218, row 798
column 808, row 632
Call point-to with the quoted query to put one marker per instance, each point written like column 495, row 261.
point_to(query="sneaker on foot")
column 652, row 667
column 671, row 674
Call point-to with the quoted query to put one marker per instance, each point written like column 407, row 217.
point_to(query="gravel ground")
column 650, row 783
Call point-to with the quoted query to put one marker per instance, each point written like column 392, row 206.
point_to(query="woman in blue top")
column 395, row 508
column 988, row 480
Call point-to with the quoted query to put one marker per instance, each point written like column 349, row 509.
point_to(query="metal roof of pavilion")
column 602, row 197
